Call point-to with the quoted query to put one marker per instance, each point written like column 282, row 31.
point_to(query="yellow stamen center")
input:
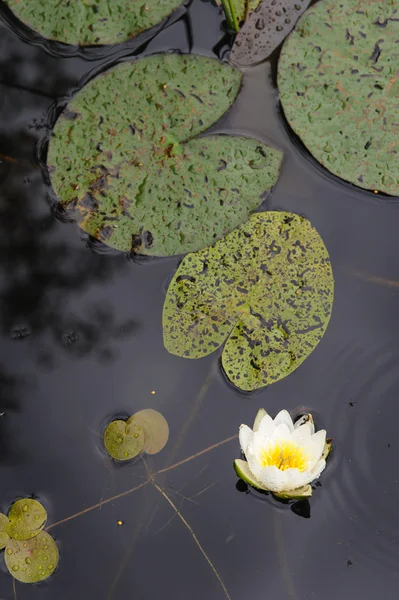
column 284, row 455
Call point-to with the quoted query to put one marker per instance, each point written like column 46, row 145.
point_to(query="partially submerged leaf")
column 4, row 537
column 298, row 494
column 33, row 560
column 267, row 288
column 243, row 472
column 91, row 22
column 339, row 87
column 155, row 428
column 121, row 163
column 265, row 29
column 27, row 518
column 123, row 440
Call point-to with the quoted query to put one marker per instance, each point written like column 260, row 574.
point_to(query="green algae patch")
column 265, row 29
column 123, row 162
column 27, row 518
column 4, row 537
column 338, row 82
column 266, row 291
column 123, row 441
column 91, row 22
column 33, row 560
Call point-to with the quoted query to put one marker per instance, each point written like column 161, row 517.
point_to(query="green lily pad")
column 243, row 472
column 155, row 428
column 298, row 494
column 122, row 160
column 34, row 560
column 123, row 440
column 339, row 87
column 91, row 22
column 4, row 537
column 267, row 288
column 27, row 518
column 265, row 29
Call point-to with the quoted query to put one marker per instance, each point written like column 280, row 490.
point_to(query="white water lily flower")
column 282, row 457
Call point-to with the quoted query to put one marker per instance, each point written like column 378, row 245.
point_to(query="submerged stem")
column 230, row 14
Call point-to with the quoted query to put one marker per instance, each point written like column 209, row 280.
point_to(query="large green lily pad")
column 123, row 161
column 91, row 22
column 27, row 518
column 339, row 87
column 4, row 537
column 265, row 29
column 267, row 288
column 123, row 440
column 34, row 560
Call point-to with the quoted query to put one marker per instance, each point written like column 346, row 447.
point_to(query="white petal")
column 314, row 447
column 302, row 434
column 266, row 426
column 284, row 417
column 294, row 479
column 305, row 419
column 316, row 471
column 259, row 444
column 253, row 462
column 245, row 436
column 281, row 433
column 273, row 479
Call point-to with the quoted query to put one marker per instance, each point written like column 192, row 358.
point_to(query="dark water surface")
column 81, row 341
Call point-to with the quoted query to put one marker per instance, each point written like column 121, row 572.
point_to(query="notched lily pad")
column 33, row 560
column 27, row 518
column 339, row 87
column 4, row 537
column 155, row 428
column 265, row 29
column 266, row 289
column 123, row 163
column 123, row 440
column 91, row 22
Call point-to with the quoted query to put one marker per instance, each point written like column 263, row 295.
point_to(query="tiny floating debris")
column 282, row 457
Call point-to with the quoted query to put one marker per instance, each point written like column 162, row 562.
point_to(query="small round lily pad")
column 4, row 537
column 91, row 22
column 34, row 560
column 155, row 427
column 27, row 518
column 123, row 440
column 339, row 87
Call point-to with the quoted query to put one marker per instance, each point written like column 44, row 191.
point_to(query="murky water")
column 81, row 340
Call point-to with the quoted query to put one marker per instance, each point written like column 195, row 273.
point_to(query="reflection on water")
column 186, row 528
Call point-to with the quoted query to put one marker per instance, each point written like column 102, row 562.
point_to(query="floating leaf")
column 155, row 427
column 27, row 517
column 4, row 537
column 91, row 22
column 32, row 560
column 265, row 29
column 267, row 288
column 123, row 440
column 339, row 87
column 119, row 161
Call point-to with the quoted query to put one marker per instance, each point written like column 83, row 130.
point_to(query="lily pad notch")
column 266, row 290
column 125, row 162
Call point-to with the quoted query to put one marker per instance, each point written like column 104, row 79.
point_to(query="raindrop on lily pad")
column 155, row 428
column 32, row 560
column 124, row 163
column 91, row 22
column 27, row 518
column 266, row 289
column 339, row 87
column 123, row 441
column 4, row 537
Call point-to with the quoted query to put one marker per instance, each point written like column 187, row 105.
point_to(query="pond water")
column 81, row 342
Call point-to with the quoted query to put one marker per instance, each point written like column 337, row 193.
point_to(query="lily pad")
column 266, row 27
column 91, row 22
column 122, row 160
column 4, row 537
column 267, row 288
column 34, row 560
column 155, row 428
column 123, row 440
column 27, row 518
column 339, row 87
